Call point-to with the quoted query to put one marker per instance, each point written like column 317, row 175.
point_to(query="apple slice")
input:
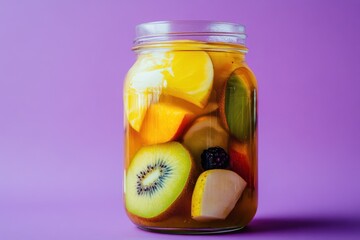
column 240, row 161
column 205, row 132
column 164, row 122
column 215, row 195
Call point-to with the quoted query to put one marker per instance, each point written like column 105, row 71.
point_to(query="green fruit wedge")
column 239, row 106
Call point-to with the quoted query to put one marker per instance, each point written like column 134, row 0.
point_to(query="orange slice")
column 164, row 122
column 211, row 106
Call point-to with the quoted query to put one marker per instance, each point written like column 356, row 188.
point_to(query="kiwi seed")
column 150, row 189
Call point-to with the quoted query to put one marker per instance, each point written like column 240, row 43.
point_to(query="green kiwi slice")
column 156, row 178
column 240, row 105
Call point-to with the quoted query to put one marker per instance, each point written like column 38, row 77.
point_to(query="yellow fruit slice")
column 184, row 74
column 205, row 132
column 142, row 86
column 190, row 76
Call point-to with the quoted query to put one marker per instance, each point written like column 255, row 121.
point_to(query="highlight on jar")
column 190, row 138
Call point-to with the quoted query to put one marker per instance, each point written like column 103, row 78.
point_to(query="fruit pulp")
column 178, row 95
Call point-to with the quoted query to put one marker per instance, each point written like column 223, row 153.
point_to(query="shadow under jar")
column 190, row 106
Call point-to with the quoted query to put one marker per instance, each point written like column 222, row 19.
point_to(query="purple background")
column 61, row 70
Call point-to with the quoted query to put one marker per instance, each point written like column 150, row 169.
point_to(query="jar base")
column 191, row 231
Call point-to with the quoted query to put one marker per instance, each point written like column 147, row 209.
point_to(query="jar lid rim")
column 190, row 29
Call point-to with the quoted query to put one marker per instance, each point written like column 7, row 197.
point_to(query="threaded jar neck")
column 214, row 34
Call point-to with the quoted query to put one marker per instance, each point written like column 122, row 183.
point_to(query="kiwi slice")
column 238, row 105
column 156, row 178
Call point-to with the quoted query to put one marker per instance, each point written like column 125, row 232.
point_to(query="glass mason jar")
column 190, row 103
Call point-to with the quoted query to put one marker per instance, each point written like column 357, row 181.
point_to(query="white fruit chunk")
column 215, row 195
column 205, row 132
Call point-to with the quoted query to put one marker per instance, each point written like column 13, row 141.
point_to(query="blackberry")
column 214, row 158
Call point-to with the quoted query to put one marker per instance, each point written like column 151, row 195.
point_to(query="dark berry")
column 214, row 158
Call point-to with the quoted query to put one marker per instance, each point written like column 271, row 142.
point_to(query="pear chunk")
column 215, row 195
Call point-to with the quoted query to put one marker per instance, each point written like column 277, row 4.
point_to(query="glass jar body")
column 190, row 138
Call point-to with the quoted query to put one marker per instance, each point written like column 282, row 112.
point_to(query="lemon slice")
column 189, row 76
